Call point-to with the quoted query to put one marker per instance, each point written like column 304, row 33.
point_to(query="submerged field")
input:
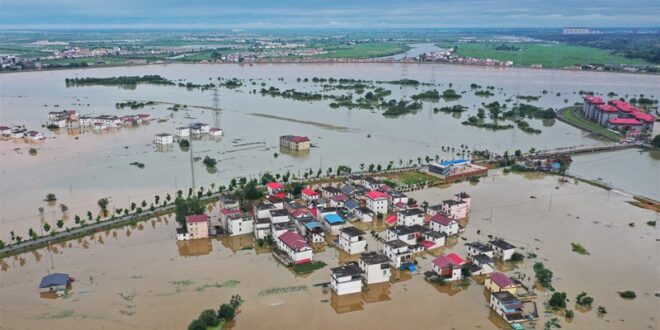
column 546, row 54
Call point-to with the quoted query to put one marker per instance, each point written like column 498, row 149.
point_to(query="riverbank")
column 569, row 115
column 121, row 284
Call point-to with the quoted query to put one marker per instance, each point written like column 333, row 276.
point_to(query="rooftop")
column 505, row 297
column 308, row 192
column 373, row 257
column 197, row 218
column 349, row 269
column 397, row 243
column 480, row 246
column 55, row 279
column 352, row 231
column 411, row 212
column 376, row 195
column 502, row 244
column 441, row 219
column 333, row 218
column 293, row 240
column 501, row 280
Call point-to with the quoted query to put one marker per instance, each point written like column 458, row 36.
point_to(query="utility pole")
column 216, row 107
column 192, row 165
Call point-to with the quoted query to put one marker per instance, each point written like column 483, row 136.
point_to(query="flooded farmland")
column 138, row 277
column 81, row 168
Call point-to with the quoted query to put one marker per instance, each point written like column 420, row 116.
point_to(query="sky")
column 380, row 14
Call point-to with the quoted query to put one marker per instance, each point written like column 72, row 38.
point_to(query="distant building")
column 457, row 169
column 164, row 138
column 295, row 142
column 578, row 31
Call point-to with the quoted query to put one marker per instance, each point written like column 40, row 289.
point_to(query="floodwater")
column 136, row 277
column 80, row 169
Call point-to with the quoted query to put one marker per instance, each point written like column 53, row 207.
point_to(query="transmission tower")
column 216, row 108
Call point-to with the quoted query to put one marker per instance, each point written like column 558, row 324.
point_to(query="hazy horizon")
column 288, row 14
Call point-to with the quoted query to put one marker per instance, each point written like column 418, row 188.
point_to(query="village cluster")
column 330, row 214
column 73, row 119
column 196, row 129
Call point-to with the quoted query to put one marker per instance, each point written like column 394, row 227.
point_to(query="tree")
column 197, row 325
column 156, row 199
column 46, row 227
column 60, row 223
column 569, row 314
column 656, row 141
column 103, row 204
column 250, row 192
column 64, row 208
column 186, row 207
column 32, row 234
column 41, row 210
column 89, row 215
column 77, row 219
column 583, row 300
column 518, row 153
column 602, row 310
column 50, row 197
column 226, row 312
column 2, row 244
column 236, row 301
column 209, row 317
column 558, row 300
column 481, row 113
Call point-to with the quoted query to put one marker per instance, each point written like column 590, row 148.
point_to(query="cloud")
column 325, row 14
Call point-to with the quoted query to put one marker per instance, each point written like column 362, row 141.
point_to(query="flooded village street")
column 137, row 277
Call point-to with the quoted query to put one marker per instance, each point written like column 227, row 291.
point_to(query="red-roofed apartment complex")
column 294, row 142
column 617, row 115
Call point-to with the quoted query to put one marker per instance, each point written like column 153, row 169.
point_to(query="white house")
column 443, row 224
column 364, row 214
column 164, row 138
column 477, row 248
column 262, row 228
column 333, row 223
column 309, row 194
column 481, row 265
column 262, row 210
column 376, row 267
column 408, row 234
column 346, row 279
column 240, row 223
column 34, row 136
column 503, row 249
column 4, row 130
column 182, row 234
column 449, row 266
column 279, row 215
column 183, row 132
column 274, row 187
column 434, row 239
column 295, row 247
column 352, row 240
column 507, row 306
column 399, row 252
column 455, row 209
column 410, row 217
column 311, row 229
column 214, row 131
column 377, row 201
column 396, row 197
column 199, row 128
column 18, row 133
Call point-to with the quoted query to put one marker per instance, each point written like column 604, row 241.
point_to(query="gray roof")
column 397, row 243
column 413, row 211
column 501, row 244
column 350, row 204
column 349, row 269
column 55, row 279
column 480, row 246
column 372, row 258
column 352, row 231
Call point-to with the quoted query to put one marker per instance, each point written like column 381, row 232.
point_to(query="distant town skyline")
column 384, row 14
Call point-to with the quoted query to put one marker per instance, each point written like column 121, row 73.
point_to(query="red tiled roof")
column 391, row 219
column 427, row 244
column 308, row 192
column 593, row 99
column 293, row 240
column 442, row 262
column 314, row 211
column 298, row 213
column 229, row 211
column 456, row 259
column 280, row 195
column 501, row 280
column 339, row 198
column 607, row 108
column 274, row 185
column 400, row 204
column 197, row 218
column 299, row 139
column 624, row 121
column 643, row 116
column 441, row 219
column 376, row 194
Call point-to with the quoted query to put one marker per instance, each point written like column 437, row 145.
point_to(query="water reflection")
column 195, row 247
column 237, row 243
column 376, row 292
column 346, row 303
column 299, row 154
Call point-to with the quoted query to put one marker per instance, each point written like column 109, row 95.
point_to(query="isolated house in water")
column 56, row 282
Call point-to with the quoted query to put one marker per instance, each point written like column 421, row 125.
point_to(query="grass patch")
column 578, row 248
column 288, row 289
column 571, row 116
column 307, row 268
column 227, row 284
column 414, row 178
column 549, row 55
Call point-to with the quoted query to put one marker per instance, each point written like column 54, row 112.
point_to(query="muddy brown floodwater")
column 139, row 278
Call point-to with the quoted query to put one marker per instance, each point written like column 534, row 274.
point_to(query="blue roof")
column 312, row 225
column 55, row 279
column 350, row 204
column 333, row 218
column 453, row 162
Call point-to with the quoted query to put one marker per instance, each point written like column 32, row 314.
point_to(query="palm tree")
column 103, row 204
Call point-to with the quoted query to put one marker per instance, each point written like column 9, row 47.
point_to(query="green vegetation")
column 210, row 319
column 484, row 93
column 133, row 104
column 583, row 300
column 186, row 207
column 50, row 197
column 402, row 107
column 32, row 152
column 549, row 55
column 364, row 50
column 432, row 95
column 651, row 223
column 453, row 109
column 412, row 178
column 571, row 116
column 517, row 256
column 404, row 82
column 119, row 81
column 557, row 300
column 474, row 121
column 308, row 267
column 628, row 294
column 656, row 141
column 569, row 314
column 450, row 94
column 209, row 162
column 543, row 275
column 602, row 310
column 578, row 248
column 138, row 164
